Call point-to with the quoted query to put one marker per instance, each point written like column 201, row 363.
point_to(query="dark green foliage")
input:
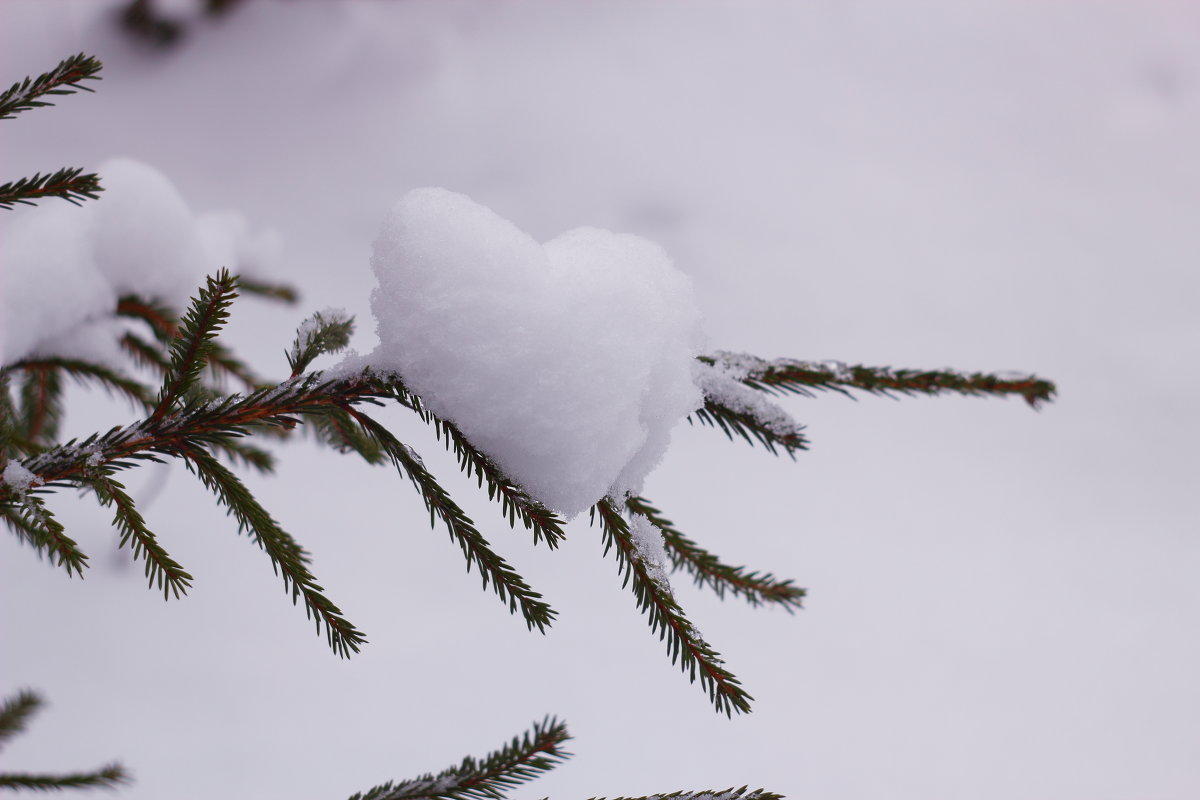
column 786, row 376
column 161, row 569
column 707, row 570
column 41, row 400
column 489, row 778
column 749, row 427
column 109, row 776
column 268, row 291
column 287, row 556
column 694, row 655
column 69, row 183
column 65, row 78
column 514, row 501
column 707, row 794
column 14, row 714
column 193, row 346
column 27, row 516
column 141, row 19
column 492, row 567
column 323, row 332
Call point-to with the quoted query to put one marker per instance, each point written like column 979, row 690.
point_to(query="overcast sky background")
column 1002, row 603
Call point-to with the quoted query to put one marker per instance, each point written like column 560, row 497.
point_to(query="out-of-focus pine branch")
column 15, row 712
column 65, row 78
column 69, row 183
column 107, row 777
column 489, row 778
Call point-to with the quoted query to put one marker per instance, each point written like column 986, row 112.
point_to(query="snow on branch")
column 787, row 376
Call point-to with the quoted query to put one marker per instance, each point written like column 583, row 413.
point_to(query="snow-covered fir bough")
column 554, row 372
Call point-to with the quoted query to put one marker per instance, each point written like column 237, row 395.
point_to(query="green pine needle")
column 289, row 559
column 107, row 777
column 15, row 713
column 161, row 569
column 733, row 422
column 743, row 793
column 268, row 291
column 684, row 643
column 787, row 376
column 85, row 372
column 193, row 346
column 69, row 183
column 33, row 523
column 489, row 778
column 493, row 569
column 324, row 332
column 707, row 570
column 65, row 78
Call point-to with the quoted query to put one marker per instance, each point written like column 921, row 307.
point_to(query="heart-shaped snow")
column 566, row 363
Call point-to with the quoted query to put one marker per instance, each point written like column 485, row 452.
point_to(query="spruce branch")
column 514, row 501
column 324, row 332
column 786, row 376
column 143, row 353
column 86, row 371
column 162, row 321
column 16, row 711
column 743, row 793
column 737, row 409
column 161, row 569
column 65, row 78
column 193, row 346
column 268, row 291
column 41, row 404
column 505, row 581
column 288, row 558
column 165, row 326
column 33, row 523
column 749, row 427
column 69, row 183
column 109, row 776
column 489, row 778
column 707, row 570
column 684, row 643
column 337, row 429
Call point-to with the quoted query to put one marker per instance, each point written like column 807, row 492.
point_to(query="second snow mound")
column 566, row 363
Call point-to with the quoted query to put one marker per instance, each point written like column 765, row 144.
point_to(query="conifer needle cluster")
column 187, row 413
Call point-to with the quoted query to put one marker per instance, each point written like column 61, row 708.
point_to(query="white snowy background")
column 1003, row 603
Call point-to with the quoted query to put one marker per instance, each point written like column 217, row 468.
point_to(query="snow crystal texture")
column 567, row 363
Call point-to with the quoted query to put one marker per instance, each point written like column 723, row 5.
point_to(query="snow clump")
column 63, row 267
column 567, row 363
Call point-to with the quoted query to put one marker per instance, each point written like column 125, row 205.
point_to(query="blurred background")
column 1002, row 603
